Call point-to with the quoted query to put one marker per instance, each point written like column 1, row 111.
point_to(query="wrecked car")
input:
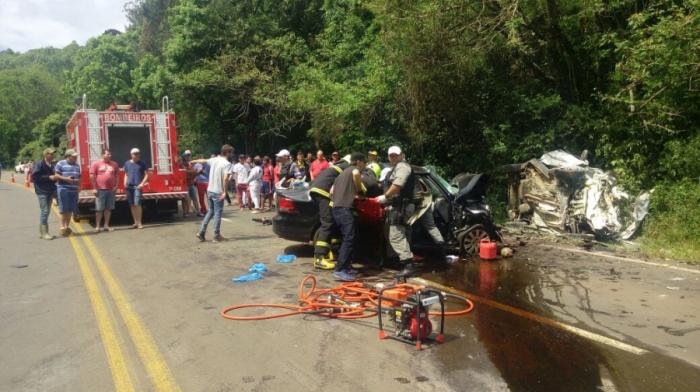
column 461, row 215
column 561, row 193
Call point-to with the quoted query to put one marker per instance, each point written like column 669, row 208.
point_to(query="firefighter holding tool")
column 326, row 237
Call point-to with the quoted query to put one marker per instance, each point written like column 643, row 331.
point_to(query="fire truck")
column 121, row 128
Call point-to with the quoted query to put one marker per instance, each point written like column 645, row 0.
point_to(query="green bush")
column 673, row 227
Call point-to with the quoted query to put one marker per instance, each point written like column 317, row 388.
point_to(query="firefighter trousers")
column 327, row 235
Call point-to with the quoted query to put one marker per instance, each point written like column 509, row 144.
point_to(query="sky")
column 29, row 24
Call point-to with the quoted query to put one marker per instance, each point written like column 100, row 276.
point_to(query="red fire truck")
column 121, row 128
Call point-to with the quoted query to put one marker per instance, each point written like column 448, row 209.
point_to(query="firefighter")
column 325, row 239
column 373, row 164
column 346, row 187
column 399, row 191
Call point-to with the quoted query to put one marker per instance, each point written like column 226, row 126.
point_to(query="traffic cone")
column 12, row 178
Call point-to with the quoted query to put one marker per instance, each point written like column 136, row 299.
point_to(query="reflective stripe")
column 322, row 244
column 321, row 192
column 363, row 187
column 335, row 241
column 338, row 169
column 330, row 204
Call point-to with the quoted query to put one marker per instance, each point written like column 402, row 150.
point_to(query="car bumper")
column 294, row 227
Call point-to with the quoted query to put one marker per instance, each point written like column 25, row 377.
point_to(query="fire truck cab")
column 121, row 128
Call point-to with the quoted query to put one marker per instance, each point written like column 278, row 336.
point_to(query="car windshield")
column 443, row 182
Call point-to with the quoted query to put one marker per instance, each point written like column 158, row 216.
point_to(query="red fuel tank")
column 487, row 250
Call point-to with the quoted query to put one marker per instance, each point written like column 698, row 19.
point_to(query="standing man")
column 299, row 168
column 241, row 170
column 68, row 188
column 373, row 164
column 135, row 177
column 202, row 182
column 398, row 194
column 267, row 181
column 319, row 165
column 346, row 188
column 219, row 176
column 320, row 193
column 285, row 173
column 103, row 177
column 44, row 177
column 255, row 183
column 191, row 200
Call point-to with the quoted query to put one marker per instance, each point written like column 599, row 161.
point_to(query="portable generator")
column 408, row 308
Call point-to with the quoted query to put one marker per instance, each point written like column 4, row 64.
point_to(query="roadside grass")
column 673, row 226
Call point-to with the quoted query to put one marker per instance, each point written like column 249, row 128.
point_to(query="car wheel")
column 470, row 239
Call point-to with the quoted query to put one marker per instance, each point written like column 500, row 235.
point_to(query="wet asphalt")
column 551, row 318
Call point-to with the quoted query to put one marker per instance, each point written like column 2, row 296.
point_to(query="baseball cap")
column 49, row 150
column 187, row 152
column 70, row 153
column 135, row 151
column 283, row 153
column 394, row 150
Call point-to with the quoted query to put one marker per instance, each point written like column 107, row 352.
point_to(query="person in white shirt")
column 241, row 170
column 219, row 176
column 255, row 183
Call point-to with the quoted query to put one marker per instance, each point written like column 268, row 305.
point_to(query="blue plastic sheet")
column 286, row 258
column 247, row 277
column 258, row 267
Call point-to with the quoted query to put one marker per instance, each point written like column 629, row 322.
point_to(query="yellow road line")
column 115, row 358
column 534, row 317
column 155, row 365
column 157, row 368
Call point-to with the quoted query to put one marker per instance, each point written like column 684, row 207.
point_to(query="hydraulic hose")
column 345, row 301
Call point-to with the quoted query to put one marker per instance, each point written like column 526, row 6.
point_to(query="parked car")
column 461, row 215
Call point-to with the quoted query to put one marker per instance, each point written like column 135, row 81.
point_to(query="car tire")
column 469, row 240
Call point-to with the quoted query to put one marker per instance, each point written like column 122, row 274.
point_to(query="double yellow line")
column 157, row 369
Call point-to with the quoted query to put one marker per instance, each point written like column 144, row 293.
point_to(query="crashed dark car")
column 461, row 215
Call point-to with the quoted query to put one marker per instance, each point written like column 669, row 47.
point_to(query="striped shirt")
column 64, row 168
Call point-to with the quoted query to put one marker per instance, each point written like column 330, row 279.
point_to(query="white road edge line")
column 638, row 261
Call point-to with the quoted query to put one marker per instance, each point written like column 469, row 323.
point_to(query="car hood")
column 475, row 189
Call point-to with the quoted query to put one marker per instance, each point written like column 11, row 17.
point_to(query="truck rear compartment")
column 122, row 138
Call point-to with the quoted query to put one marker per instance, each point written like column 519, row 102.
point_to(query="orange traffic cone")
column 12, row 178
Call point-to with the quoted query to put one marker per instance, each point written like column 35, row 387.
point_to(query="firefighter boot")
column 324, row 262
column 44, row 232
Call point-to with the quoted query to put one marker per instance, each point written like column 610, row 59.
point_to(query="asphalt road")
column 139, row 310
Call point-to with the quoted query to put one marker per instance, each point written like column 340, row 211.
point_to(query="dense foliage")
column 464, row 85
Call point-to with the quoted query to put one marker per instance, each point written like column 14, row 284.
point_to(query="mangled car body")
column 561, row 193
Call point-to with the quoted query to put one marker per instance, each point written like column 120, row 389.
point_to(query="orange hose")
column 360, row 302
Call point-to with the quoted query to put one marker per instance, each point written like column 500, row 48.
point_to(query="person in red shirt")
column 103, row 176
column 319, row 165
column 268, row 179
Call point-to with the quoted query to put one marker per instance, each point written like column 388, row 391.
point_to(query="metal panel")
column 163, row 144
column 94, row 137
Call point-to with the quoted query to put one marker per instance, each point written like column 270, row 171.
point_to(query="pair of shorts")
column 104, row 200
column 266, row 188
column 67, row 200
column 133, row 196
column 192, row 191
